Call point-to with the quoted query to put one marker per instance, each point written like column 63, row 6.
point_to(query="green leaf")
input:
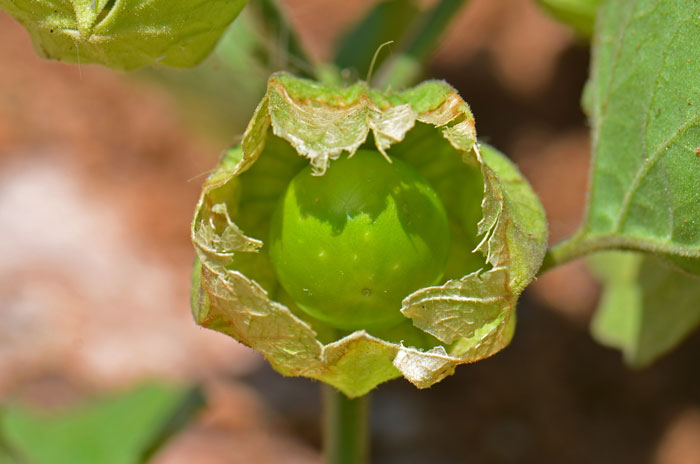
column 8, row 455
column 125, row 34
column 180, row 416
column 644, row 104
column 579, row 14
column 647, row 308
column 112, row 430
column 389, row 20
column 497, row 227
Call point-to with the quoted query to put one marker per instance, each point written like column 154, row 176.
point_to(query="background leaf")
column 647, row 308
column 644, row 104
column 114, row 430
column 579, row 14
column 125, row 34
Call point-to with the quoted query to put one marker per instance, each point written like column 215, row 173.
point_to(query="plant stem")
column 286, row 49
column 406, row 68
column 570, row 249
column 346, row 439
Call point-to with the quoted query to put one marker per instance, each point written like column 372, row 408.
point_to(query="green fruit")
column 348, row 246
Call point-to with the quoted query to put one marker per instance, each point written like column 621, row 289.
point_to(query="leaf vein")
column 644, row 170
column 618, row 47
column 650, row 162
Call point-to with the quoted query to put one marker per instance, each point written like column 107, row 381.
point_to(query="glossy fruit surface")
column 348, row 246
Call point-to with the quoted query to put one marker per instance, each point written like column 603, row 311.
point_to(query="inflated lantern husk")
column 497, row 227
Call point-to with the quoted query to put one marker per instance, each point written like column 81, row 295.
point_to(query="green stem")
column 582, row 243
column 286, row 49
column 570, row 249
column 346, row 439
column 406, row 68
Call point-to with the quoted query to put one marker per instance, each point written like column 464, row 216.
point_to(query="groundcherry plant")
column 360, row 232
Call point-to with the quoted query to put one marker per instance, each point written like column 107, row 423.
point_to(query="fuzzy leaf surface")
column 125, row 34
column 647, row 307
column 644, row 105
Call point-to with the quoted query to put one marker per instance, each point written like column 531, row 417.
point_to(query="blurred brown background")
column 96, row 195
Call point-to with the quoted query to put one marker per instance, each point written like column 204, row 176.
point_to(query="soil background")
column 99, row 175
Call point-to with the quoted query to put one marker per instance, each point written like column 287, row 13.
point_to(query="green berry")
column 348, row 246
